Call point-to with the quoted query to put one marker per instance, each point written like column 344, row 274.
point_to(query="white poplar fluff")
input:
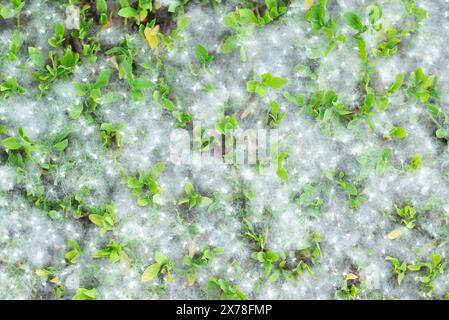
column 354, row 204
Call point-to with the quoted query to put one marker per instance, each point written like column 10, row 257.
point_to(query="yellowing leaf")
column 191, row 250
column 54, row 280
column 151, row 36
column 151, row 272
column 191, row 281
column 41, row 272
column 395, row 233
column 351, row 276
column 308, row 4
column 143, row 14
column 113, row 60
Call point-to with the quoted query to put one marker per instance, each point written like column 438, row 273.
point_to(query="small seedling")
column 227, row 290
column 267, row 80
column 85, row 294
column 110, row 134
column 58, row 38
column 349, row 289
column 399, row 269
column 194, row 261
column 281, row 171
column 203, row 57
column 407, row 214
column 274, row 115
column 102, row 10
column 421, row 86
column 10, row 88
column 193, row 199
column 163, row 265
column 8, row 11
column 113, row 251
column 73, row 255
column 60, row 68
column 145, row 186
column 103, row 218
column 433, row 270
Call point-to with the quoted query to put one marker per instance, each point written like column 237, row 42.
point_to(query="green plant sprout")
column 316, row 16
column 227, row 290
column 400, row 269
column 60, row 68
column 8, row 11
column 102, row 9
column 407, row 213
column 73, row 255
column 274, row 116
column 432, row 270
column 267, row 80
column 203, row 57
column 196, row 260
column 113, row 251
column 85, row 24
column 145, row 186
column 162, row 266
column 104, row 218
column 281, row 172
column 140, row 14
column 355, row 197
column 85, row 294
column 19, row 149
column 122, row 59
column 58, row 38
column 111, row 134
column 10, row 88
column 193, row 199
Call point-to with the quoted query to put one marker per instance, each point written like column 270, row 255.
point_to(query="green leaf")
column 142, row 202
column 205, row 201
column 60, row 146
column 398, row 132
column 396, row 84
column 203, row 57
column 12, row 143
column 442, row 133
column 143, row 84
column 189, row 188
column 273, row 277
column 353, row 21
column 157, row 169
column 229, row 44
column 103, row 78
column 282, row 173
column 273, row 82
column 59, row 30
column 134, row 183
column 128, row 12
column 151, row 272
column 36, row 57
column 375, row 14
column 76, row 112
column 251, row 85
column 96, row 219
